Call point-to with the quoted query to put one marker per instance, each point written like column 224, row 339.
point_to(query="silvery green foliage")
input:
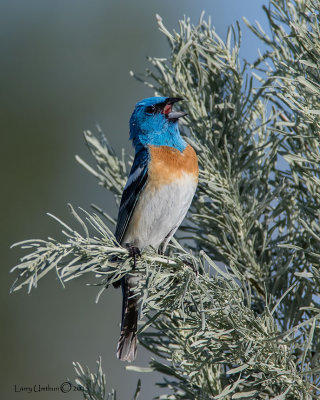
column 93, row 385
column 247, row 326
column 293, row 65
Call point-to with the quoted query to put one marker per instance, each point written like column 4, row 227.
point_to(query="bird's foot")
column 134, row 252
column 192, row 266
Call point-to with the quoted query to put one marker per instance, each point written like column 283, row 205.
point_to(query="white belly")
column 159, row 211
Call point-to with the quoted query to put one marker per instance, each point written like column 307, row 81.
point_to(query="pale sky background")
column 65, row 66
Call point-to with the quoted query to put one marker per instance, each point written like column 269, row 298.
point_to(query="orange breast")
column 168, row 164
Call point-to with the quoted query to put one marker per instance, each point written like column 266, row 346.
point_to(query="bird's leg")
column 134, row 252
column 162, row 249
column 191, row 265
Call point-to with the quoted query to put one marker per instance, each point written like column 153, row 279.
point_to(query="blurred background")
column 65, row 67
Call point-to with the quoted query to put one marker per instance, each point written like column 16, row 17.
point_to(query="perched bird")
column 156, row 198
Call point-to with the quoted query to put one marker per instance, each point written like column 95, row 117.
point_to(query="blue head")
column 154, row 123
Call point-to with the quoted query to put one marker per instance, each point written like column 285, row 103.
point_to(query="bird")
column 158, row 193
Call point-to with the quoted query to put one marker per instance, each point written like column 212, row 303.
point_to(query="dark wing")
column 130, row 196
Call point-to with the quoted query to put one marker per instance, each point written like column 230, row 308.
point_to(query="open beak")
column 174, row 115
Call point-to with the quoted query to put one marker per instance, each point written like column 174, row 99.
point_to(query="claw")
column 191, row 265
column 134, row 253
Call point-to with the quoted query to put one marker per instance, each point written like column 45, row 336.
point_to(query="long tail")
column 127, row 345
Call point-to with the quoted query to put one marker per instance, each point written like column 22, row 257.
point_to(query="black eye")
column 150, row 109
